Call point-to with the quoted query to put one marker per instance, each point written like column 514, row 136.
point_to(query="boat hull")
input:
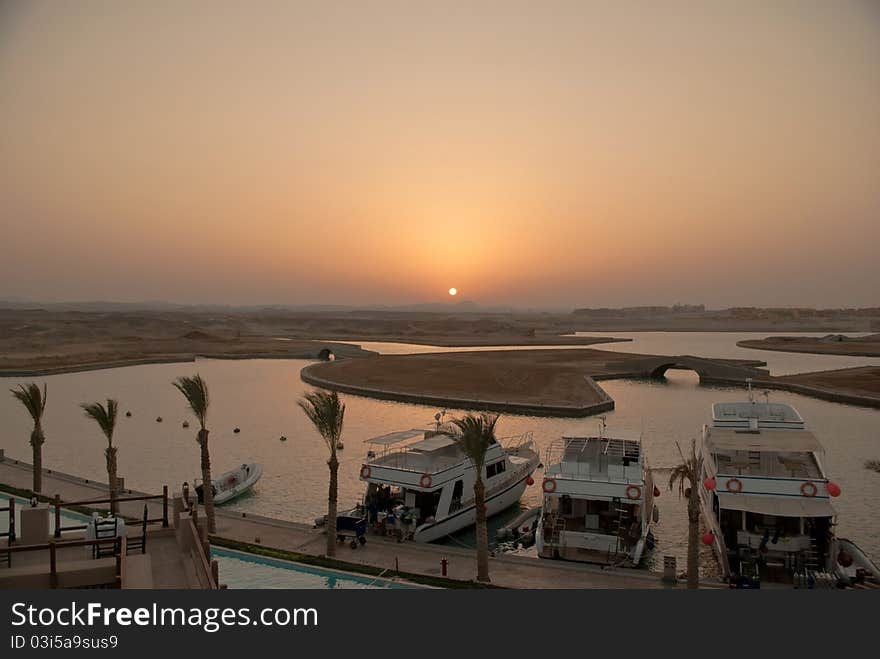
column 467, row 516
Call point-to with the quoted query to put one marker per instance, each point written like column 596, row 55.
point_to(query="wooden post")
column 53, row 566
column 215, row 571
column 57, row 515
column 11, row 538
column 164, row 506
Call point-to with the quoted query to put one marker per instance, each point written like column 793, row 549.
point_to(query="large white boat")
column 765, row 495
column 420, row 484
column 598, row 501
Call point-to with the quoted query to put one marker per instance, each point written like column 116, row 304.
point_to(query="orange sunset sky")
column 536, row 154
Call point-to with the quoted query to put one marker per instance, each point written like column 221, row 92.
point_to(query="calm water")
column 260, row 396
column 723, row 345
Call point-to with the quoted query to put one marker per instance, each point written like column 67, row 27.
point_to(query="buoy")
column 708, row 538
column 236, row 430
column 530, row 481
column 282, row 438
column 128, row 414
column 339, row 446
column 710, row 483
column 186, row 424
column 656, row 491
column 833, row 489
column 158, row 419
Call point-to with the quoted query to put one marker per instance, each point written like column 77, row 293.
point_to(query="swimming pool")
column 239, row 570
column 68, row 518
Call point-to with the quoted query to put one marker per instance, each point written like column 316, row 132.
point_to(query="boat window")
column 495, row 468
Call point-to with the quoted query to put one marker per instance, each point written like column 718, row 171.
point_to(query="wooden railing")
column 52, row 547
column 10, row 534
column 59, row 504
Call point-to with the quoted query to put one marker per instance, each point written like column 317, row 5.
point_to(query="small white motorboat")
column 233, row 483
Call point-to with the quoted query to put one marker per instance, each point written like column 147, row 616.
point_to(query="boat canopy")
column 396, row 437
column 781, row 506
column 782, row 441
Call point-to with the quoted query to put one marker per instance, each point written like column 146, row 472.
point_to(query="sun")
column 453, row 291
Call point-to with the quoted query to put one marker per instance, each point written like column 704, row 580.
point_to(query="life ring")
column 549, row 485
column 809, row 489
column 426, row 480
column 633, row 492
column 734, row 485
column 365, row 472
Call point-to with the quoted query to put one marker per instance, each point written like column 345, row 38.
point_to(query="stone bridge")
column 727, row 371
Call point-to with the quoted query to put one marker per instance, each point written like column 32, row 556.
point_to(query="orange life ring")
column 426, row 480
column 734, row 485
column 809, row 489
column 633, row 492
column 549, row 485
column 365, row 472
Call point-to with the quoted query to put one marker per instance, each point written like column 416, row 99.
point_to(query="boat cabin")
column 770, row 503
column 598, row 498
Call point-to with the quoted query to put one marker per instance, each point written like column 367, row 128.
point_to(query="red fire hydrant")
column 443, row 564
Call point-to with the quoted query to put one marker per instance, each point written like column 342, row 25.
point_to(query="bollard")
column 669, row 570
column 443, row 564
column 57, row 515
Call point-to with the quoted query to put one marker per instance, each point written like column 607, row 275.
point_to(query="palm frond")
column 195, row 390
column 474, row 434
column 327, row 414
column 105, row 417
column 32, row 398
column 686, row 474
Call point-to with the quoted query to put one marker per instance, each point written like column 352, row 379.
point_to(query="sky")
column 553, row 154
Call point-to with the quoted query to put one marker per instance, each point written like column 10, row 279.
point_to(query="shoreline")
column 169, row 359
column 605, row 403
column 779, row 346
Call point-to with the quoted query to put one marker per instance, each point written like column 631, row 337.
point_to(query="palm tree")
column 474, row 434
column 327, row 414
column 35, row 402
column 105, row 417
column 195, row 391
column 689, row 470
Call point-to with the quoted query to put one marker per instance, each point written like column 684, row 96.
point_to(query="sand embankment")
column 835, row 344
column 535, row 382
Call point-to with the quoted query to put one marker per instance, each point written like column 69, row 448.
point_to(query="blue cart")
column 352, row 524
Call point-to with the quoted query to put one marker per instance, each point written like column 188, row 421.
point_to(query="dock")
column 378, row 553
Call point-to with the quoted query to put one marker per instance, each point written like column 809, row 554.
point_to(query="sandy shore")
column 539, row 382
column 37, row 342
column 865, row 346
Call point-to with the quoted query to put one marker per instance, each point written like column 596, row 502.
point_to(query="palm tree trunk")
column 693, row 556
column 333, row 464
column 482, row 531
column 207, row 482
column 111, row 476
column 37, row 445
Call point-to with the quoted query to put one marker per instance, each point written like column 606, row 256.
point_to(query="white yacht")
column 598, row 501
column 421, row 485
column 765, row 496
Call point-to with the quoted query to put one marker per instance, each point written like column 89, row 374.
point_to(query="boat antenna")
column 751, row 395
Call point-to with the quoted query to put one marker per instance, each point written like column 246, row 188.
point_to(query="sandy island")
column 536, row 382
column 832, row 344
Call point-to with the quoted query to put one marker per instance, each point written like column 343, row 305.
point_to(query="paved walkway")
column 424, row 559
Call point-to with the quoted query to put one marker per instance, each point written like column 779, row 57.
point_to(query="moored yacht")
column 765, row 495
column 420, row 485
column 598, row 501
